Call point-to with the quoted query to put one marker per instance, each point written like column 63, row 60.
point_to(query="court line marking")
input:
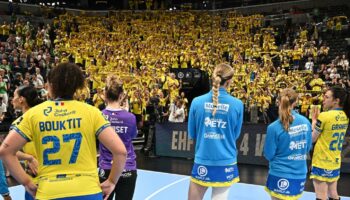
column 144, row 170
column 165, row 187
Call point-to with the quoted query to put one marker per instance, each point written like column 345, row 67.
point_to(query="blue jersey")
column 215, row 135
column 287, row 151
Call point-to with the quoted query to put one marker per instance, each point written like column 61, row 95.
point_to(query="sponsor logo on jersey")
column 283, row 184
column 297, row 157
column 202, row 171
column 47, row 111
column 214, row 136
column 229, row 169
column 297, row 130
column 297, row 144
column 214, row 123
column 219, row 107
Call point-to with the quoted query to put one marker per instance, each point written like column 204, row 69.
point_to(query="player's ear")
column 337, row 101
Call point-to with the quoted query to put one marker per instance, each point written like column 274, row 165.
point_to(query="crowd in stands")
column 26, row 56
column 141, row 48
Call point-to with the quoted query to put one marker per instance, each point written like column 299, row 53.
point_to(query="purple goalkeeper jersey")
column 124, row 124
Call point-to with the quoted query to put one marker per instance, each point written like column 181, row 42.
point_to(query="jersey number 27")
column 56, row 147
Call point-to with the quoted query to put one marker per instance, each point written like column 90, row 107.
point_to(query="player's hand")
column 315, row 114
column 31, row 188
column 107, row 188
column 33, row 166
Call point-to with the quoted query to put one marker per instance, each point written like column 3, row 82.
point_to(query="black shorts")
column 125, row 187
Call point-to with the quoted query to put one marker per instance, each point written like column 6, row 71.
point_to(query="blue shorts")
column 324, row 174
column 215, row 176
column 285, row 188
column 27, row 196
column 97, row 196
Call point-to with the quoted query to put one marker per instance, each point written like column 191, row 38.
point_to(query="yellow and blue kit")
column 64, row 134
column 215, row 136
column 331, row 127
column 287, row 153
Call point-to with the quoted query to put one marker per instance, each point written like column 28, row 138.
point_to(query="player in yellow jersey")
column 24, row 98
column 64, row 133
column 329, row 129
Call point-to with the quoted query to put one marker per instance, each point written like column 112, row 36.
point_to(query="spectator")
column 309, row 65
column 3, row 109
column 177, row 112
column 3, row 90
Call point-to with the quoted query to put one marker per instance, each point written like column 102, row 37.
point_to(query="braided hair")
column 222, row 73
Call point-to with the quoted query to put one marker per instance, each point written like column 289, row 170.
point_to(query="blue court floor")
column 163, row 186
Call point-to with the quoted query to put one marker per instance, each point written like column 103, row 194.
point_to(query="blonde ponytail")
column 287, row 97
column 285, row 113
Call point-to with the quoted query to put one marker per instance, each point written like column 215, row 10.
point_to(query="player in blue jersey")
column 329, row 129
column 64, row 133
column 288, row 142
column 215, row 122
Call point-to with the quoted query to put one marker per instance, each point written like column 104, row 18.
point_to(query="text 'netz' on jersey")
column 60, row 125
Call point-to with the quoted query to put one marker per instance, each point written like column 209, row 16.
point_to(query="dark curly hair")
column 65, row 79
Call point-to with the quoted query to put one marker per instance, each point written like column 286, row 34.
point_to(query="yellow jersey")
column 28, row 148
column 64, row 135
column 331, row 126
